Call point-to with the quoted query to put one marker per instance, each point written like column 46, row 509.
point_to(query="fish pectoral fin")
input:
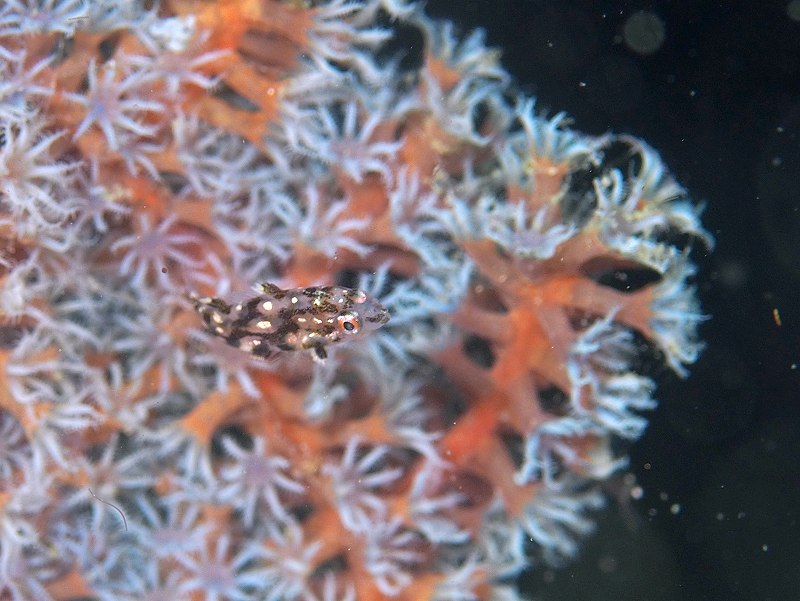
column 318, row 353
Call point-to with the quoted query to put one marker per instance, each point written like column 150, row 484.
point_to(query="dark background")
column 720, row 100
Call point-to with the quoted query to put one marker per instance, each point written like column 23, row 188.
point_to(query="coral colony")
column 478, row 290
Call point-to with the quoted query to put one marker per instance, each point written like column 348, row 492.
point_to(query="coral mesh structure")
column 533, row 276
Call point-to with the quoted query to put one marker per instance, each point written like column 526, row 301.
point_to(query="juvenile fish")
column 278, row 320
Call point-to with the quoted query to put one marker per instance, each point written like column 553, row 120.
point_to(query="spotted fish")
column 277, row 320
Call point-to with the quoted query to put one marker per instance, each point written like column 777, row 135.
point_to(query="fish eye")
column 349, row 323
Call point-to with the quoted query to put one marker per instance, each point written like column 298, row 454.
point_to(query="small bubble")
column 607, row 564
column 793, row 10
column 644, row 32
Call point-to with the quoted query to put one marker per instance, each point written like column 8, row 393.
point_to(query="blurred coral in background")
column 532, row 275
